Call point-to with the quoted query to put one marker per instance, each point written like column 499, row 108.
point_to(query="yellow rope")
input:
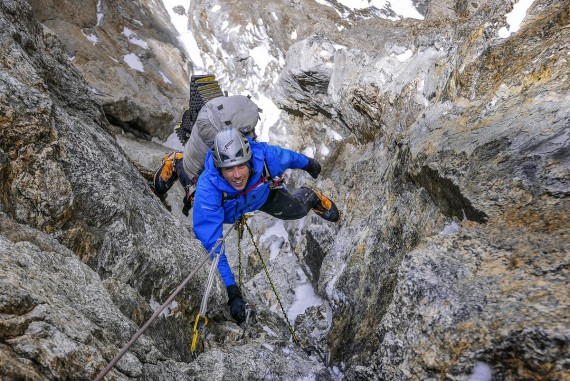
column 244, row 223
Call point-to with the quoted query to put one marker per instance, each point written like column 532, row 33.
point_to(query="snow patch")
column 450, row 229
column 269, row 117
column 333, row 134
column 185, row 37
column 323, row 2
column 481, row 372
column 261, row 57
column 215, row 8
column 324, row 150
column 294, row 34
column 164, row 77
column 403, row 8
column 278, row 230
column 154, row 305
column 330, row 288
column 134, row 62
column 309, row 152
column 132, row 39
column 405, row 56
column 99, row 13
column 138, row 42
column 91, row 37
column 515, row 18
column 304, row 297
column 274, row 16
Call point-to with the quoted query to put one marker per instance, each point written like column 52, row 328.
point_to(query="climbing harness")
column 139, row 333
column 241, row 223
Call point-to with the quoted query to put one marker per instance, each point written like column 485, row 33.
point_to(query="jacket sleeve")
column 208, row 223
column 279, row 159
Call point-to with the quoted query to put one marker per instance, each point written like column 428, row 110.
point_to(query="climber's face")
column 237, row 176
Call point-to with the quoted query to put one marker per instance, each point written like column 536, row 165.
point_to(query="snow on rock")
column 515, row 18
column 133, row 61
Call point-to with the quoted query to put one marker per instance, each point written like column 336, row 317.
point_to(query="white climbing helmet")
column 230, row 148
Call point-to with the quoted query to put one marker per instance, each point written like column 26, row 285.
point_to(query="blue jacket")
column 209, row 214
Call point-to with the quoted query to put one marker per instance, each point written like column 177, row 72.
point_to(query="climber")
column 237, row 179
column 236, row 111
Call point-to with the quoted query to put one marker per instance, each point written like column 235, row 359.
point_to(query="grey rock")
column 460, row 133
column 57, row 321
column 104, row 40
column 120, row 253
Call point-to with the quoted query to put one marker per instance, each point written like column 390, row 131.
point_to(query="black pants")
column 290, row 206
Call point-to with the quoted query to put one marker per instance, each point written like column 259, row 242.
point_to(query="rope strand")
column 159, row 311
column 291, row 330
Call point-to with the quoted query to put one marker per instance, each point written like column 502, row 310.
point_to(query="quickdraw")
column 156, row 313
column 196, row 334
column 204, row 305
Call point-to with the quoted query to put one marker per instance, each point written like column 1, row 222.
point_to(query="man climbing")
column 237, row 111
column 237, row 179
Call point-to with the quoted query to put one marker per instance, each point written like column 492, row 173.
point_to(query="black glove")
column 236, row 303
column 313, row 168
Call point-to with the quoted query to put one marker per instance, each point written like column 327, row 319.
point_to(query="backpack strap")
column 274, row 182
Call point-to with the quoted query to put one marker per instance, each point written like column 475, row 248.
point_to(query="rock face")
column 455, row 191
column 445, row 145
column 58, row 321
column 128, row 53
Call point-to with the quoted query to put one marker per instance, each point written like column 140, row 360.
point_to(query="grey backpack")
column 235, row 111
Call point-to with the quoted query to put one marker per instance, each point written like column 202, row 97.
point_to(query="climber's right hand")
column 313, row 168
column 236, row 303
